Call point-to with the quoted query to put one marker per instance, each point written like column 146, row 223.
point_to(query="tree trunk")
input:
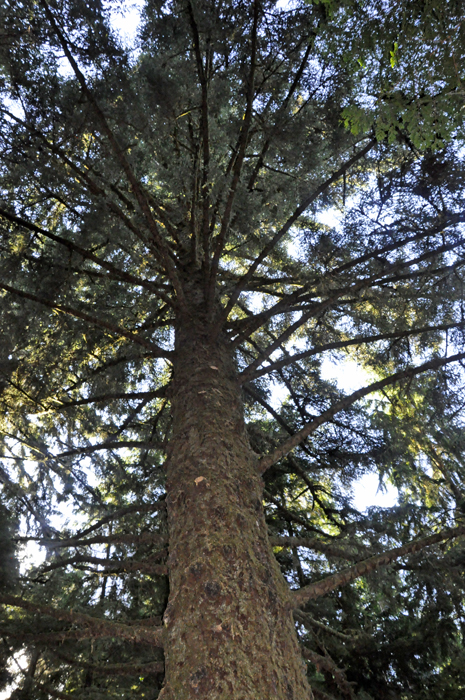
column 229, row 631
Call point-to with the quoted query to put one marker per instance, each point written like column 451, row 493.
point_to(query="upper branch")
column 317, row 545
column 247, row 326
column 97, row 626
column 318, row 308
column 94, row 187
column 291, row 220
column 240, row 154
column 110, row 669
column 138, row 508
column 281, row 110
column 204, row 129
column 113, row 566
column 86, row 254
column 248, row 374
column 156, row 393
column 292, row 442
column 111, row 445
column 118, row 538
column 162, row 253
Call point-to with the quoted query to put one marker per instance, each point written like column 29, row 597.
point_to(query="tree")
column 165, row 261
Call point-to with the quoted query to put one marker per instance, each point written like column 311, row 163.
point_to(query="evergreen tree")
column 191, row 226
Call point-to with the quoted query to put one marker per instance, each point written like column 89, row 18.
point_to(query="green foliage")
column 367, row 266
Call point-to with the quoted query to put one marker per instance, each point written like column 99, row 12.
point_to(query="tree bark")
column 229, row 634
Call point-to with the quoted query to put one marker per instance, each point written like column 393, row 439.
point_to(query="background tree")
column 166, row 266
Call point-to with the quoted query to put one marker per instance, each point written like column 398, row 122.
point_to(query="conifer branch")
column 280, row 420
column 204, row 128
column 239, row 156
column 320, row 695
column 325, row 663
column 290, row 516
column 53, row 692
column 38, row 448
column 318, row 308
column 117, row 538
column 100, row 398
column 117, row 330
column 288, row 445
column 111, row 445
column 320, row 588
column 88, row 255
column 310, row 623
column 125, row 669
column 285, row 304
column 289, row 223
column 112, row 566
column 95, row 626
column 245, row 376
column 16, row 490
column 120, row 513
column 442, row 223
column 317, row 545
column 162, row 253
column 282, row 108
column 93, row 187
column 288, row 303
column 256, row 397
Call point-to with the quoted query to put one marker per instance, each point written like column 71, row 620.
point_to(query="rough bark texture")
column 229, row 631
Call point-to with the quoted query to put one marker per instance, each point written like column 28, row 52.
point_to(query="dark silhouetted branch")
column 117, row 330
column 94, row 625
column 310, row 428
column 291, row 220
column 342, row 578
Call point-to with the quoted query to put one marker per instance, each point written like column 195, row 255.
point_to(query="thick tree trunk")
column 229, row 632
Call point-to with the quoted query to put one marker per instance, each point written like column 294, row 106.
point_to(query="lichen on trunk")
column 229, row 631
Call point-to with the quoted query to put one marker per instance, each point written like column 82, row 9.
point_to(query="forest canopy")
column 194, row 223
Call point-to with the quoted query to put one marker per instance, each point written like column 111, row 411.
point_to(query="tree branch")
column 119, row 274
column 289, row 515
column 287, row 303
column 317, row 309
column 134, row 337
column 325, row 663
column 247, row 376
column 156, row 394
column 163, row 254
column 309, row 622
column 320, row 588
column 292, row 442
column 91, row 185
column 101, row 627
column 204, row 127
column 111, row 445
column 117, row 669
column 141, row 508
column 112, row 565
column 320, row 695
column 316, row 545
column 281, row 110
column 285, row 228
column 118, row 538
column 239, row 158
column 53, row 692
